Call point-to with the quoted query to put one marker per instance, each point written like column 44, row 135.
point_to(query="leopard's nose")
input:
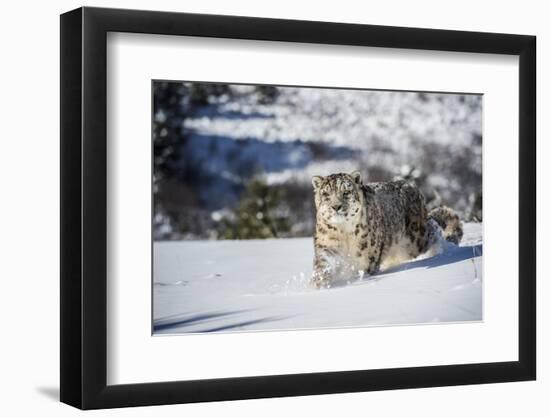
column 337, row 207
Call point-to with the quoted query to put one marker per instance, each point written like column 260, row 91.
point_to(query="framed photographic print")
column 256, row 207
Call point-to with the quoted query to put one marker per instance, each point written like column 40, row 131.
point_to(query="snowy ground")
column 210, row 286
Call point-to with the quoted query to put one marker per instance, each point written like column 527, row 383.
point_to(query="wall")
column 29, row 209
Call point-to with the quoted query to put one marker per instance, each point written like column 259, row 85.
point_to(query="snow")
column 250, row 285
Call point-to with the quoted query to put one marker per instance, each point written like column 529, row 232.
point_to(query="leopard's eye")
column 325, row 195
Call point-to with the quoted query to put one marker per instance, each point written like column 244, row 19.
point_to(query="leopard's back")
column 400, row 220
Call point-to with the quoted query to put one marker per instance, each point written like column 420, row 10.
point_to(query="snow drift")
column 231, row 285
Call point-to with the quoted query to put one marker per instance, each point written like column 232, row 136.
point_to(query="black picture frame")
column 84, row 207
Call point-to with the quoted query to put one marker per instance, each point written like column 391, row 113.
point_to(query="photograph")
column 254, row 207
column 281, row 208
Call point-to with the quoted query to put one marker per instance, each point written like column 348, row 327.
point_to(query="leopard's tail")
column 449, row 222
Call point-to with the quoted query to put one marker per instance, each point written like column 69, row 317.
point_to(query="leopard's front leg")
column 323, row 270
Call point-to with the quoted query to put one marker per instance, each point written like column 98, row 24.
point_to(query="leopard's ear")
column 316, row 181
column 356, row 176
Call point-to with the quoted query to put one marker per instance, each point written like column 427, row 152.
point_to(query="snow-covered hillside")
column 213, row 142
column 210, row 286
column 309, row 131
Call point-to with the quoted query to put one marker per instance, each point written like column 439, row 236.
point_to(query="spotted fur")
column 363, row 227
column 449, row 222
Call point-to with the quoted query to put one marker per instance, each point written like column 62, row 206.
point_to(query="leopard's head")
column 338, row 197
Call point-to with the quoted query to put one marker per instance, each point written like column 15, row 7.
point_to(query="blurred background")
column 236, row 161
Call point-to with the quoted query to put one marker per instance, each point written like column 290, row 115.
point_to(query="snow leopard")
column 363, row 227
